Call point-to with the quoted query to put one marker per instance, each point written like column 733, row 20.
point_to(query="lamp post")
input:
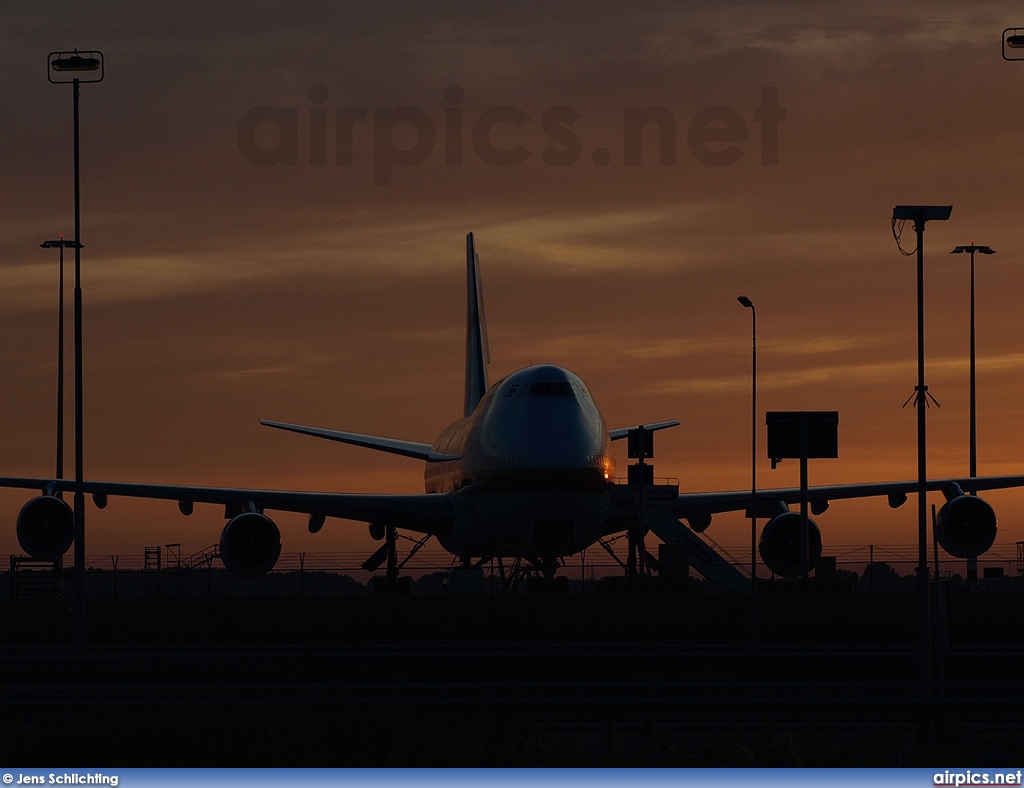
column 60, row 244
column 974, row 411
column 748, row 304
column 921, row 214
column 972, row 563
column 64, row 67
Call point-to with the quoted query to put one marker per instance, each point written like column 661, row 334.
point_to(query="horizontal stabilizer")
column 658, row 425
column 419, row 451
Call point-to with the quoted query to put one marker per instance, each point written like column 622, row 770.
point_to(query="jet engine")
column 250, row 544
column 46, row 527
column 780, row 544
column 966, row 526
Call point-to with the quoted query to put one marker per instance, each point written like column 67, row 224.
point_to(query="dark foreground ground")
column 616, row 678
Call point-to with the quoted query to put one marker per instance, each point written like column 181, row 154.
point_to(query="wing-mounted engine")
column 966, row 525
column 250, row 544
column 780, row 544
column 46, row 527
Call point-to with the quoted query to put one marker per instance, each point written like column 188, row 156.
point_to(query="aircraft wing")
column 702, row 504
column 424, row 513
column 419, row 451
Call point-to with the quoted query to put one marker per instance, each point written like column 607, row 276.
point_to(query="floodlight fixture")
column 973, row 248
column 1013, row 41
column 60, row 243
column 75, row 66
column 922, row 212
column 75, row 63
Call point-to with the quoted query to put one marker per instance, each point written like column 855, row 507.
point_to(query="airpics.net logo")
column 319, row 135
column 951, row 778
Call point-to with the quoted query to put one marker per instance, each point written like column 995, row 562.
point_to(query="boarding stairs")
column 703, row 557
column 185, row 568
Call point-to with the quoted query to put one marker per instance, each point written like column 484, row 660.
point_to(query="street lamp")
column 77, row 67
column 61, row 244
column 974, row 413
column 972, row 563
column 748, row 304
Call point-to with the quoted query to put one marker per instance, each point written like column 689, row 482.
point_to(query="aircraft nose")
column 560, row 451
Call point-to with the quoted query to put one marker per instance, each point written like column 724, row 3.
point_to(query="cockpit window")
column 560, row 389
column 512, row 390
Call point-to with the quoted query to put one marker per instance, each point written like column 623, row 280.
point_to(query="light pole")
column 972, row 563
column 61, row 244
column 60, row 64
column 748, row 304
column 921, row 214
column 974, row 409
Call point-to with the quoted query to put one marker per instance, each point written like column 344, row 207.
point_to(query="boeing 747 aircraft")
column 526, row 474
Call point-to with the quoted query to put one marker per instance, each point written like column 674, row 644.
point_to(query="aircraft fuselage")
column 534, row 470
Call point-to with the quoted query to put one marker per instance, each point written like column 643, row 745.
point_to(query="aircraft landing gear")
column 532, row 574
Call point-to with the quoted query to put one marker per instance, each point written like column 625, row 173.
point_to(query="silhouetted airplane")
column 527, row 473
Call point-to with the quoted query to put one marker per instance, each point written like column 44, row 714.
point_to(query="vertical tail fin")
column 477, row 353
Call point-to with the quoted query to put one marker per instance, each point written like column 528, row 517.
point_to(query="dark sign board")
column 633, row 477
column 640, row 443
column 822, row 429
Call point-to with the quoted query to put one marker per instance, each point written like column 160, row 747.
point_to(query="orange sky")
column 218, row 291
